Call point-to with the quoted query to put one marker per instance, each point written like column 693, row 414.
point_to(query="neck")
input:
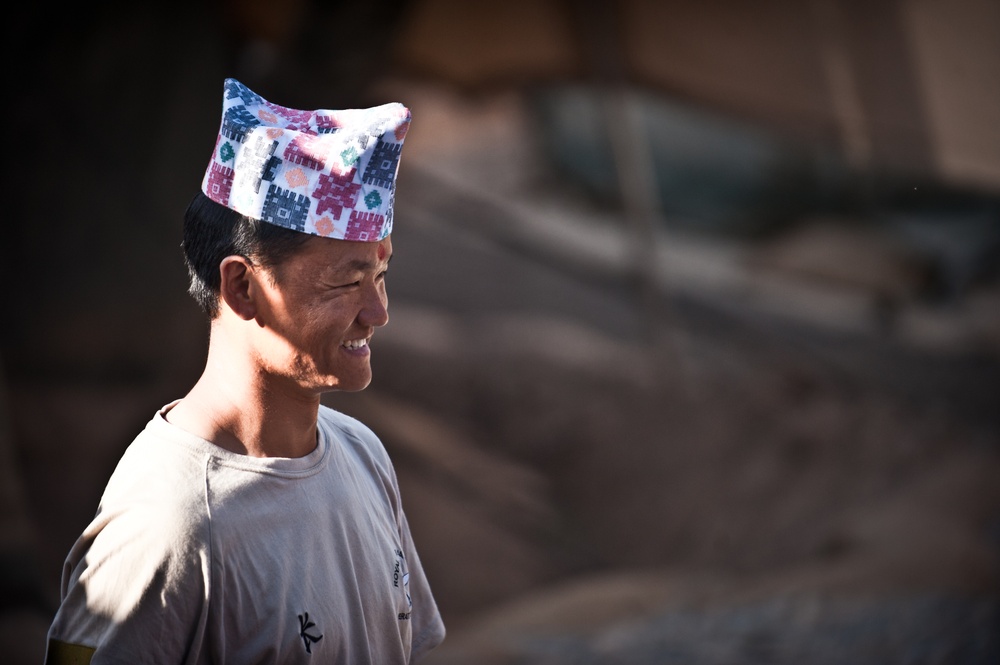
column 238, row 406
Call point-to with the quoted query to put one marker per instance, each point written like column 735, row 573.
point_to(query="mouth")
column 355, row 344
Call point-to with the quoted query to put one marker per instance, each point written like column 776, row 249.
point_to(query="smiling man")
column 248, row 523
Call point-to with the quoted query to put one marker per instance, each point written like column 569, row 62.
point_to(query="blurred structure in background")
column 695, row 339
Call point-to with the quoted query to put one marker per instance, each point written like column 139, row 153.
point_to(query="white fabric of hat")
column 329, row 173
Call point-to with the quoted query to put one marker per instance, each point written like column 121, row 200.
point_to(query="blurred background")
column 694, row 352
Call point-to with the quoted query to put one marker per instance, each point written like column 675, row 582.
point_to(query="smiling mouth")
column 355, row 343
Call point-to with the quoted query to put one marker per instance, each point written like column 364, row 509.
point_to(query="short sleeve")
column 428, row 627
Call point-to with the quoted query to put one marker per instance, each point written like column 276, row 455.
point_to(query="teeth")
column 356, row 343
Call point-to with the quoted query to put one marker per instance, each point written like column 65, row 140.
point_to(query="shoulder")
column 148, row 544
column 350, row 430
column 360, row 444
column 154, row 501
column 158, row 470
column 340, row 420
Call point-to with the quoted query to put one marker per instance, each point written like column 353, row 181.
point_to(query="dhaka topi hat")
column 328, row 173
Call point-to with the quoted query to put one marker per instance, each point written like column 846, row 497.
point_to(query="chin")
column 352, row 387
column 347, row 385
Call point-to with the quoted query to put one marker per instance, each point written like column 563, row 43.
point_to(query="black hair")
column 212, row 232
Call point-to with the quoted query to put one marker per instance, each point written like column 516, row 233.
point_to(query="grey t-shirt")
column 199, row 555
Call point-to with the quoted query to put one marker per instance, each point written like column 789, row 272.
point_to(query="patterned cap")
column 328, row 173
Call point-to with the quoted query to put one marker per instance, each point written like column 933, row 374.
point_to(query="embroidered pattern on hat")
column 382, row 166
column 233, row 89
column 254, row 163
column 325, row 172
column 364, row 226
column 285, row 208
column 327, row 124
column 336, row 192
column 310, row 150
column 218, row 182
column 236, row 123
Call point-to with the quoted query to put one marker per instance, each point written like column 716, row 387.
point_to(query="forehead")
column 330, row 256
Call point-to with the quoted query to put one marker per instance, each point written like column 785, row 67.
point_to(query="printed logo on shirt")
column 308, row 639
column 401, row 579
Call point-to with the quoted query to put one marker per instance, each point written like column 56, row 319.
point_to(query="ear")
column 236, row 286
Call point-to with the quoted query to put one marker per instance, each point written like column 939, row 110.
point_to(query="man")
column 248, row 523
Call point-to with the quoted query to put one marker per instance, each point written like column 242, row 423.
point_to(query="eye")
column 338, row 287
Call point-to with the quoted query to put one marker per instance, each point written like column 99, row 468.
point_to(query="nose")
column 374, row 308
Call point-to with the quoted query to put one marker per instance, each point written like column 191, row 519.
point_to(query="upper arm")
column 136, row 587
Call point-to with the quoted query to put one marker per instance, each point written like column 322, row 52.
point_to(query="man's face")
column 319, row 313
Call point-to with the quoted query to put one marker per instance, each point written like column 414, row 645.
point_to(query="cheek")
column 333, row 318
column 313, row 328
